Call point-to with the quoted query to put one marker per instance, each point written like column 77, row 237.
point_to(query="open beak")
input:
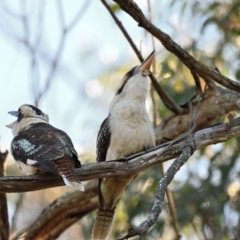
column 145, row 66
column 15, row 114
column 10, row 125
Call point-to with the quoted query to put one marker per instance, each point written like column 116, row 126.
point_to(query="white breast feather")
column 26, row 169
column 131, row 129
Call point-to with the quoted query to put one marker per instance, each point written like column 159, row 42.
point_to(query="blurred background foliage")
column 206, row 190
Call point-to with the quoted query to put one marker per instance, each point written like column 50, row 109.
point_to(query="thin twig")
column 154, row 72
column 142, row 229
column 32, row 50
column 168, row 101
column 197, row 81
column 79, row 14
column 65, row 30
column 132, row 9
column 170, row 200
column 171, row 206
column 56, row 57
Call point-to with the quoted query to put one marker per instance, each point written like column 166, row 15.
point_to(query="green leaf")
column 115, row 7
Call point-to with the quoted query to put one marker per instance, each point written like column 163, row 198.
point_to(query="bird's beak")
column 10, row 125
column 14, row 113
column 145, row 66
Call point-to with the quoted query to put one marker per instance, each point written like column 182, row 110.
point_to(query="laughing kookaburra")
column 125, row 131
column 39, row 147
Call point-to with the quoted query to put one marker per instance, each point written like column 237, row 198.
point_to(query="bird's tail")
column 109, row 192
column 65, row 167
column 103, row 224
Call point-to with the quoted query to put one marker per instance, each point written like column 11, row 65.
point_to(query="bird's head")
column 26, row 115
column 135, row 80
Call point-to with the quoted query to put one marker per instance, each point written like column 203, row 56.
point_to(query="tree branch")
column 213, row 104
column 4, row 224
column 202, row 70
column 58, row 216
column 65, row 29
column 134, row 164
column 197, row 81
column 143, row 228
column 167, row 100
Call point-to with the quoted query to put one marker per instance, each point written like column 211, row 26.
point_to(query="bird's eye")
column 20, row 115
column 38, row 112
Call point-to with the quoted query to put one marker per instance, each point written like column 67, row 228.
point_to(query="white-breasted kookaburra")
column 39, row 147
column 127, row 130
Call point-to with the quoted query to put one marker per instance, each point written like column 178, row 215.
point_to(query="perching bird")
column 125, row 131
column 39, row 147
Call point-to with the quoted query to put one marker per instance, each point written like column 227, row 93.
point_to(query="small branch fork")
column 142, row 229
column 33, row 44
column 168, row 101
column 132, row 9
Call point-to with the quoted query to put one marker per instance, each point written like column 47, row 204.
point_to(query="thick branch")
column 215, row 103
column 202, row 70
column 58, row 216
column 143, row 228
column 133, row 166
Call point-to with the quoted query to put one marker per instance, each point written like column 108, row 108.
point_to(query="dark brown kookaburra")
column 39, row 147
column 127, row 130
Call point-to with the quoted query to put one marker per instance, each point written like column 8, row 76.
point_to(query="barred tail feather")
column 73, row 183
column 109, row 192
column 103, row 224
column 65, row 167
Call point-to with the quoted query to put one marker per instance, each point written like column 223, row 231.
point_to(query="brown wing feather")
column 43, row 143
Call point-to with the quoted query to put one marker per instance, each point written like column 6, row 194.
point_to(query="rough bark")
column 214, row 103
column 143, row 228
column 130, row 166
column 60, row 214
